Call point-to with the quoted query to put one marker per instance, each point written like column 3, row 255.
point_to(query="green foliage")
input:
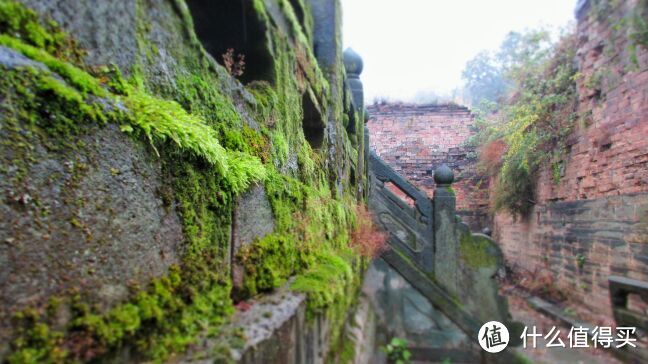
column 159, row 120
column 638, row 32
column 171, row 311
column 489, row 76
column 162, row 120
column 581, row 259
column 484, row 80
column 631, row 25
column 396, row 351
column 535, row 121
column 268, row 263
column 161, row 320
column 305, row 217
column 36, row 342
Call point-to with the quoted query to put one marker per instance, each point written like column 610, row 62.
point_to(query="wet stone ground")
column 521, row 311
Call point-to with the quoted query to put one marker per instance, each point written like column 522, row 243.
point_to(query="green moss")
column 475, row 252
column 208, row 156
column 159, row 120
column 36, row 342
column 168, row 315
column 79, row 79
column 325, row 281
column 268, row 263
column 23, row 23
column 347, row 354
column 162, row 319
column 246, row 140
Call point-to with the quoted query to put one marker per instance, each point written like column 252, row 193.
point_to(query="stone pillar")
column 446, row 246
column 353, row 65
column 366, row 156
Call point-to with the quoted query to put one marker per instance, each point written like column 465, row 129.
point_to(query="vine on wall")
column 530, row 127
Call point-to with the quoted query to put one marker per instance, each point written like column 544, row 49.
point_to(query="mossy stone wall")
column 124, row 146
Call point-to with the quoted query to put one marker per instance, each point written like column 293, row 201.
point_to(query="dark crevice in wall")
column 299, row 11
column 221, row 25
column 313, row 123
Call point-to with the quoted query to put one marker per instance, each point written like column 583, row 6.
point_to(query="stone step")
column 445, row 303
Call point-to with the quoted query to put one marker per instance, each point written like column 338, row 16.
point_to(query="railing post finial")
column 443, row 176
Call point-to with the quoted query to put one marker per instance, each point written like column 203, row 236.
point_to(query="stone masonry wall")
column 416, row 139
column 594, row 222
column 147, row 185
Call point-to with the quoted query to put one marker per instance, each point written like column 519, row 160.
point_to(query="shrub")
column 396, row 351
column 234, row 67
column 491, row 155
column 366, row 238
column 530, row 128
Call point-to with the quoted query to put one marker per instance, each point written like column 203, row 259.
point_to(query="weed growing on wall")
column 530, row 127
column 366, row 238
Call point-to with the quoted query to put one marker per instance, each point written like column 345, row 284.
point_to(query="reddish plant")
column 491, row 155
column 243, row 306
column 367, row 238
column 234, row 67
column 540, row 282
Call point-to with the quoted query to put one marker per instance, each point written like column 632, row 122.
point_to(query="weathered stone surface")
column 89, row 219
column 481, row 263
column 99, row 215
column 113, row 41
column 253, row 219
column 274, row 328
column 446, row 239
column 403, row 312
column 609, row 234
column 410, row 223
column 12, row 59
column 361, row 329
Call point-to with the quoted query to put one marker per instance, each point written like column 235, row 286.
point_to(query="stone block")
column 253, row 219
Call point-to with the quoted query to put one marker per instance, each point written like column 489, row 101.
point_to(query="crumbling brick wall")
column 593, row 223
column 416, row 139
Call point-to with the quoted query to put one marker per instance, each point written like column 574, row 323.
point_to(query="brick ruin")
column 593, row 223
column 590, row 225
column 415, row 139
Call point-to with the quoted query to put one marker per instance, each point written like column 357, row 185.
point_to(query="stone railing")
column 432, row 249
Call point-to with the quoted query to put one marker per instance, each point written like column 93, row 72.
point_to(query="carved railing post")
column 445, row 244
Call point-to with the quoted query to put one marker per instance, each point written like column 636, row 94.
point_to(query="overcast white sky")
column 411, row 46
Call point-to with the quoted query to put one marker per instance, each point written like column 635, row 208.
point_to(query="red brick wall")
column 415, row 139
column 594, row 222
